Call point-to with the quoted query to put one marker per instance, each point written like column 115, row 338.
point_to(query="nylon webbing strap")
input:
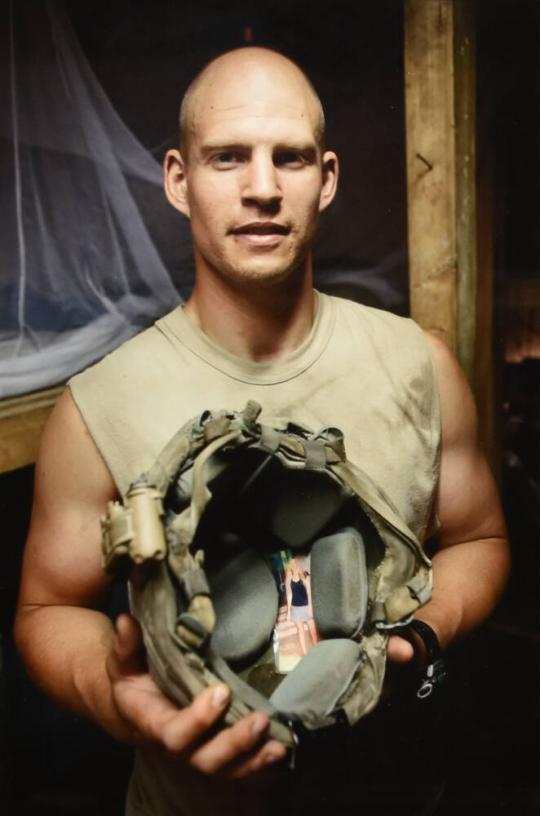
column 315, row 454
column 270, row 439
column 194, row 582
column 167, row 463
column 185, row 524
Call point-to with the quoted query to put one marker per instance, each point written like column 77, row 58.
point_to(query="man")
column 252, row 175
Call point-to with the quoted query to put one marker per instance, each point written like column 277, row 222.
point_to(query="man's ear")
column 330, row 174
column 175, row 181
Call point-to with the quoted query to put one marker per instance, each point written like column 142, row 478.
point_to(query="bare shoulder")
column 458, row 410
column 70, row 472
column 445, row 360
column 71, row 491
column 468, row 504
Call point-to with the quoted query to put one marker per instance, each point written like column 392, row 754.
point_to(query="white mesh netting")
column 82, row 211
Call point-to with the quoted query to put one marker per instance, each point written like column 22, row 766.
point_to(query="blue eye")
column 289, row 158
column 226, row 159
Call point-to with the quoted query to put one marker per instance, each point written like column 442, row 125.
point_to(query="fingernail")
column 273, row 755
column 259, row 726
column 220, row 695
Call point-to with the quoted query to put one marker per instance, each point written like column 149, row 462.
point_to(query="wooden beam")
column 21, row 423
column 440, row 137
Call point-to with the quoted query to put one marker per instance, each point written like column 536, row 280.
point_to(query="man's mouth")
column 260, row 236
column 261, row 228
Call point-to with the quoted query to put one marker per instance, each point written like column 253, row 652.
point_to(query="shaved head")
column 251, row 173
column 243, row 67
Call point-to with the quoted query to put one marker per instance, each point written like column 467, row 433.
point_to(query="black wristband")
column 435, row 671
column 429, row 638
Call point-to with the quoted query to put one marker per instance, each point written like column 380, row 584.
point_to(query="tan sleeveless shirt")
column 360, row 369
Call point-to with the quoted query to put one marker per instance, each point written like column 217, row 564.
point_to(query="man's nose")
column 261, row 182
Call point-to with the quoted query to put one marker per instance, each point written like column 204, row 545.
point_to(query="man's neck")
column 257, row 323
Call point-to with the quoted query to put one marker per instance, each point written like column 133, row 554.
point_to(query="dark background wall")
column 144, row 54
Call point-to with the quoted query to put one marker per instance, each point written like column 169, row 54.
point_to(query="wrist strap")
column 435, row 671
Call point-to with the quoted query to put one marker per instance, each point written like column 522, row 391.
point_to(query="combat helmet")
column 198, row 534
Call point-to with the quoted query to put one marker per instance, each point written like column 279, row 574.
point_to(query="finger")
column 399, row 650
column 126, row 657
column 128, row 638
column 232, row 744
column 182, row 732
column 267, row 756
column 158, row 721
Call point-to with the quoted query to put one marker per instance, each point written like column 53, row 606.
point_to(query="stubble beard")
column 255, row 273
column 262, row 276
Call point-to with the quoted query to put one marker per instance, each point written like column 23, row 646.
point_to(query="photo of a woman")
column 292, row 640
column 299, row 607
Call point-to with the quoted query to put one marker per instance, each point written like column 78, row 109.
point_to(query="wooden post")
column 21, row 422
column 440, row 135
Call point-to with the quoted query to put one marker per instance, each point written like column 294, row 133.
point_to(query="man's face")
column 254, row 179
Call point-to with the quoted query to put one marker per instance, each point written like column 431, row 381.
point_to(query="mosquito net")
column 86, row 240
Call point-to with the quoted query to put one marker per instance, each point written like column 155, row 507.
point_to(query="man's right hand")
column 189, row 734
column 69, row 646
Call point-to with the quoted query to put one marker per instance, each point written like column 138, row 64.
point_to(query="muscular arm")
column 71, row 648
column 62, row 637
column 471, row 566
